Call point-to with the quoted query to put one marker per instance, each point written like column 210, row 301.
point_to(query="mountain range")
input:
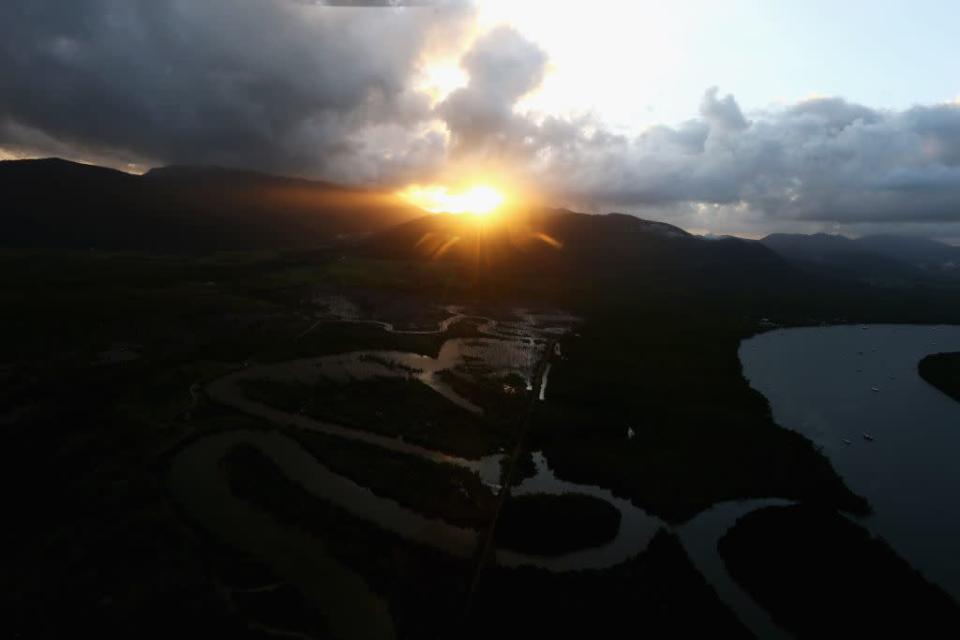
column 55, row 203
column 874, row 258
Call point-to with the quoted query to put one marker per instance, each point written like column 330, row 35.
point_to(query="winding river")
column 807, row 395
column 514, row 347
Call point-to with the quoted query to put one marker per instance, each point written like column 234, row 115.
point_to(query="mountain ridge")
column 883, row 257
column 55, row 203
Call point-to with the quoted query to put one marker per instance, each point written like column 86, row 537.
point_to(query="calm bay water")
column 842, row 385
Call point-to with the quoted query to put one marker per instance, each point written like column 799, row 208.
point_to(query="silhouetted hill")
column 930, row 255
column 837, row 256
column 612, row 252
column 59, row 204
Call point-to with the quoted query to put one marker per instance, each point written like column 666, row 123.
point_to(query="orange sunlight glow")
column 479, row 200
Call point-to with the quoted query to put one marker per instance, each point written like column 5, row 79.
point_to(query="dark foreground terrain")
column 816, row 570
column 942, row 370
column 148, row 495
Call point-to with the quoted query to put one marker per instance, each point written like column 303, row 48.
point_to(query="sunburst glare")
column 480, row 200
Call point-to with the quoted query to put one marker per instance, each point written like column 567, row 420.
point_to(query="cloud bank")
column 280, row 85
column 292, row 87
column 821, row 160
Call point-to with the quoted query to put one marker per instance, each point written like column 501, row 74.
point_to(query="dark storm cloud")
column 272, row 84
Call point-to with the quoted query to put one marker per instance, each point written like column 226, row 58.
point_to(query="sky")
column 742, row 116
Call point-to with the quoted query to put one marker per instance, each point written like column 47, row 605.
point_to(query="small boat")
column 875, row 389
column 847, row 442
column 868, row 437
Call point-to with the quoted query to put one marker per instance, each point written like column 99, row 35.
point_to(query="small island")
column 942, row 370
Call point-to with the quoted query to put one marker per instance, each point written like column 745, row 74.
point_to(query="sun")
column 479, row 200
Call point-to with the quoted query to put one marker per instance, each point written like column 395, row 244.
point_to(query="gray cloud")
column 723, row 115
column 822, row 161
column 503, row 67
